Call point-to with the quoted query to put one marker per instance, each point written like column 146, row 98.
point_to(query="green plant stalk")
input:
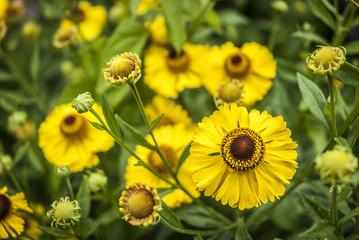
column 200, row 232
column 12, row 177
column 127, row 148
column 69, row 187
column 333, row 208
column 164, row 160
column 332, row 106
column 147, row 122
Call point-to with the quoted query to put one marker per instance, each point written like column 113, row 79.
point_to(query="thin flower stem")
column 332, row 106
column 147, row 122
column 12, row 177
column 354, row 3
column 127, row 148
column 333, row 209
column 69, row 186
column 200, row 232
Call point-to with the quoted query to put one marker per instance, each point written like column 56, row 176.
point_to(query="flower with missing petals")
column 64, row 213
column 326, row 59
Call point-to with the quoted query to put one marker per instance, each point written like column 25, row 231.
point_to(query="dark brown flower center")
column 237, row 65
column 70, row 120
column 156, row 162
column 141, row 203
column 177, row 63
column 242, row 149
column 73, row 125
column 78, row 14
column 5, row 205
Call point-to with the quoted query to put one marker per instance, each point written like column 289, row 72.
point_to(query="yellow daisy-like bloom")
column 11, row 9
column 173, row 113
column 158, row 30
column 65, row 34
column 11, row 222
column 145, row 5
column 140, row 204
column 68, row 139
column 242, row 158
column 326, row 59
column 172, row 140
column 169, row 74
column 252, row 64
column 89, row 20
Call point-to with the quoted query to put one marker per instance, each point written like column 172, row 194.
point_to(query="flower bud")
column 337, row 165
column 5, row 163
column 63, row 171
column 280, row 6
column 83, row 102
column 64, row 213
column 97, row 180
column 326, row 59
column 30, row 29
column 123, row 68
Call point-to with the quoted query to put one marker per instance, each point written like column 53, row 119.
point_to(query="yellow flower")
column 158, row 30
column 172, row 140
column 3, row 29
column 168, row 74
column 326, row 59
column 145, row 5
column 337, row 165
column 140, row 204
column 68, row 139
column 30, row 29
column 11, row 222
column 89, row 20
column 173, row 113
column 242, row 158
column 31, row 223
column 65, row 34
column 252, row 64
column 11, row 9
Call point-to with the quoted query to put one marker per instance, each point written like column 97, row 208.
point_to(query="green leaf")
column 320, row 229
column 315, row 209
column 106, row 218
column 20, row 153
column 97, row 125
column 35, row 63
column 170, row 216
column 353, row 135
column 197, row 237
column 320, row 12
column 341, row 141
column 313, row 97
column 352, row 48
column 232, row 16
column 348, row 74
column 183, row 157
column 311, row 37
column 56, row 232
column 135, row 135
column 164, row 191
column 155, row 122
column 84, row 199
column 110, row 117
column 176, row 22
column 351, row 215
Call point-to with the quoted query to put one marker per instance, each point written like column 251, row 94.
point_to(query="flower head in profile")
column 242, row 159
column 172, row 113
column 123, row 68
column 172, row 140
column 326, row 59
column 169, row 73
column 65, row 35
column 11, row 220
column 68, row 139
column 252, row 65
column 88, row 19
column 64, row 213
column 337, row 165
column 140, row 204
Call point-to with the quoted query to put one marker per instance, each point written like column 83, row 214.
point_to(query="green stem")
column 274, row 32
column 12, row 177
column 69, row 187
column 200, row 232
column 332, row 105
column 127, row 148
column 211, row 211
column 354, row 3
column 333, row 209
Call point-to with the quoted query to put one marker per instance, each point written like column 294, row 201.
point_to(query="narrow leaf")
column 316, row 38
column 353, row 135
column 35, row 63
column 348, row 74
column 320, row 229
column 170, row 216
column 135, row 135
column 341, row 141
column 320, row 12
column 110, row 117
column 315, row 209
column 97, row 125
column 313, row 97
column 155, row 122
column 84, row 199
column 197, row 237
column 20, row 153
column 183, row 157
column 56, row 232
column 346, row 218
